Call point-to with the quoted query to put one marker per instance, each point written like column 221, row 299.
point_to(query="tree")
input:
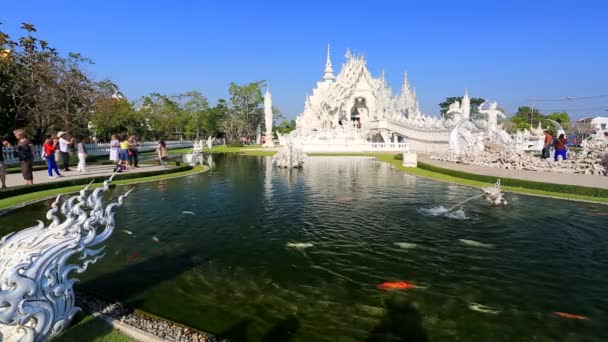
column 475, row 103
column 162, row 116
column 562, row 118
column 113, row 116
column 245, row 112
column 527, row 118
column 41, row 90
column 195, row 107
column 286, row 126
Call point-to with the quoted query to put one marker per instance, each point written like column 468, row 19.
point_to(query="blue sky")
column 509, row 51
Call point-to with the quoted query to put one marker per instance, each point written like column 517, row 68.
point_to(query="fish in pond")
column 406, row 245
column 569, row 315
column 187, row 212
column 127, row 232
column 396, row 285
column 474, row 243
column 483, row 308
column 155, row 239
column 299, row 245
column 133, row 256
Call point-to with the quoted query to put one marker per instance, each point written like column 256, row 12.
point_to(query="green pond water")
column 256, row 253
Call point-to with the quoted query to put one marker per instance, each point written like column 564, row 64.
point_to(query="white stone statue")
column 198, row 146
column 36, row 291
column 462, row 140
column 268, row 118
column 289, row 156
column 492, row 115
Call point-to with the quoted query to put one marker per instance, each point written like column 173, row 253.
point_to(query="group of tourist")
column 560, row 145
column 124, row 152
column 55, row 149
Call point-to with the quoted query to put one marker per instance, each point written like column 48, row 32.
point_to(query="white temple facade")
column 357, row 111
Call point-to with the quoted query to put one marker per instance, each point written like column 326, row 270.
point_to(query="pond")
column 259, row 254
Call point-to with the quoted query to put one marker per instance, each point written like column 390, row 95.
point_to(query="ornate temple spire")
column 406, row 82
column 465, row 105
column 329, row 71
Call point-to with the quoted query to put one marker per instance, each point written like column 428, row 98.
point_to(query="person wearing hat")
column 64, row 147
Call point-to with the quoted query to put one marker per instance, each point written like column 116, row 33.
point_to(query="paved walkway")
column 537, row 176
column 15, row 179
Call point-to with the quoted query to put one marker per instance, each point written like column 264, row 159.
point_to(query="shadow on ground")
column 402, row 322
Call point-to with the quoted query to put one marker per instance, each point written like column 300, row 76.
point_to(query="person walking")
column 546, row 153
column 133, row 151
column 3, row 169
column 161, row 152
column 114, row 149
column 82, row 155
column 64, row 148
column 50, row 146
column 561, row 147
column 25, row 153
column 124, row 151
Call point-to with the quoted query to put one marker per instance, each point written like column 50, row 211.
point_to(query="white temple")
column 356, row 111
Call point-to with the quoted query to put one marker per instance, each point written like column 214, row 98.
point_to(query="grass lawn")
column 90, row 328
column 33, row 196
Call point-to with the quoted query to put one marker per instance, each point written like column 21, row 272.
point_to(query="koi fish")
column 187, row 213
column 155, row 239
column 396, row 285
column 569, row 315
column 133, row 256
column 474, row 243
column 483, row 308
column 127, row 232
column 299, row 245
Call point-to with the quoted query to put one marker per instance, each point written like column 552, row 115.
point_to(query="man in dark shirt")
column 560, row 147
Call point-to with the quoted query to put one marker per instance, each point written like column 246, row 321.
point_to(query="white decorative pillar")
column 268, row 118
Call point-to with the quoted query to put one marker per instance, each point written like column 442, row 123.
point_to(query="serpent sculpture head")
column 36, row 291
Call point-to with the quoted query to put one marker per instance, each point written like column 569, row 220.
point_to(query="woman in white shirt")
column 114, row 148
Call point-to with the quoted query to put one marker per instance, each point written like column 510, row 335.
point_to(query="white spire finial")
column 329, row 71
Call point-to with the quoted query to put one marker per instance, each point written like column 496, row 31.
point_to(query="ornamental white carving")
column 36, row 294
column 289, row 156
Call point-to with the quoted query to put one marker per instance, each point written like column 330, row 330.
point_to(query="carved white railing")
column 36, row 294
column 351, row 147
column 97, row 149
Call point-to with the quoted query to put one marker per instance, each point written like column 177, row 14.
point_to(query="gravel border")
column 160, row 328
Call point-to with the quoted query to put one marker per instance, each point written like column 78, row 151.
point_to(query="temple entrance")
column 358, row 112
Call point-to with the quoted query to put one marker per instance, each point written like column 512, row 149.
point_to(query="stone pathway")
column 15, row 179
column 537, row 176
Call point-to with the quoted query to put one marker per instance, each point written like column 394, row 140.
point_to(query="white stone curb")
column 129, row 330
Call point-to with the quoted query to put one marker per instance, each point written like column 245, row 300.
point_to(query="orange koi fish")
column 396, row 285
column 133, row 256
column 569, row 315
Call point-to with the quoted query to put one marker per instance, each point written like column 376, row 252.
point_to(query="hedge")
column 519, row 183
column 25, row 189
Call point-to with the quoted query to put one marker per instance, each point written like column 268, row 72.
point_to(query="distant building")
column 598, row 123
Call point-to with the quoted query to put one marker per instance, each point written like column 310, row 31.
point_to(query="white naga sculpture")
column 36, row 294
column 289, row 156
column 269, row 142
